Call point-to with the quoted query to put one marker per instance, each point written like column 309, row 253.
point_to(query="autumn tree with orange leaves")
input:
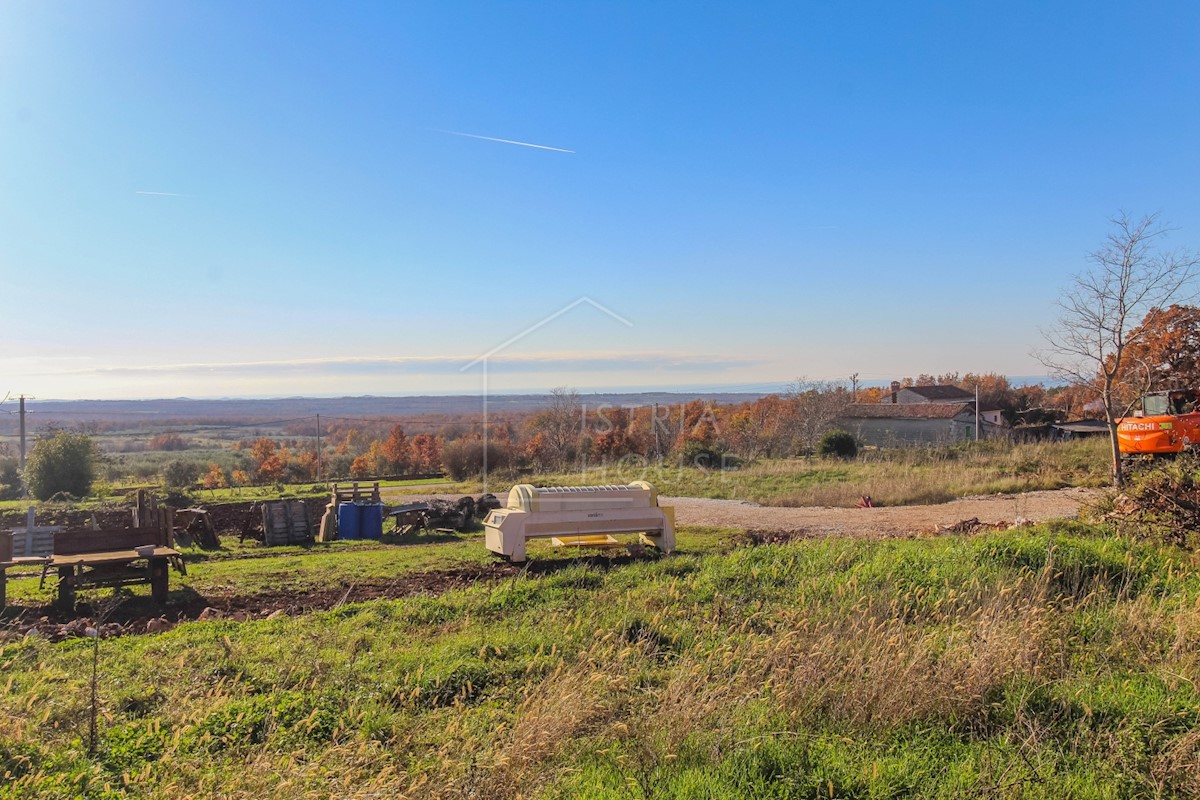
column 214, row 478
column 426, row 452
column 760, row 429
column 270, row 460
column 611, row 439
column 1164, row 352
column 396, row 451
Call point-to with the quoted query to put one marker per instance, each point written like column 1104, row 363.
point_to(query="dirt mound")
column 756, row 538
column 973, row 525
column 106, row 517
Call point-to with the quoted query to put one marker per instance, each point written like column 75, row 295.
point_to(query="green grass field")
column 1058, row 662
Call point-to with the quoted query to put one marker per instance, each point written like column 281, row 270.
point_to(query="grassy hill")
column 1057, row 662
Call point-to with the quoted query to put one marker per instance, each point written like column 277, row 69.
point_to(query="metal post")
column 318, row 448
column 977, row 412
column 654, row 425
column 24, row 488
column 485, row 426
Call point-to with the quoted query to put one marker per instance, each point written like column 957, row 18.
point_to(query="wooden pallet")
column 356, row 493
column 286, row 522
column 32, row 542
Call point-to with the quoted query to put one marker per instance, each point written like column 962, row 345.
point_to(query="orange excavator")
column 1167, row 424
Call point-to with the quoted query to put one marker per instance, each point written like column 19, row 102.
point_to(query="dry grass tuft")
column 1178, row 768
column 873, row 668
column 916, row 476
column 554, row 713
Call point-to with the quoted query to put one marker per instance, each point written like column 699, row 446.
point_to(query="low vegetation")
column 1160, row 502
column 890, row 477
column 1060, row 661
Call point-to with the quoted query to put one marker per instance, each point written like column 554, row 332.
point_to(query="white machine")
column 582, row 516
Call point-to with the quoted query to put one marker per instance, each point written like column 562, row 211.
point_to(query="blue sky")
column 266, row 199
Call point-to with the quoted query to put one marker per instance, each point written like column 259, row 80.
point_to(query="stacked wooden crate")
column 286, row 522
column 356, row 493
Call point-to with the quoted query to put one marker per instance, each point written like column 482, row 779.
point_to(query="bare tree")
column 560, row 422
column 813, row 407
column 1100, row 310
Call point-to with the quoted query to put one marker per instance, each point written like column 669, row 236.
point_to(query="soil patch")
column 756, row 538
column 138, row 614
column 882, row 522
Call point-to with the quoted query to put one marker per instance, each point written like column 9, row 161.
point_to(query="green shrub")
column 705, row 456
column 180, row 473
column 10, row 479
column 838, row 444
column 61, row 463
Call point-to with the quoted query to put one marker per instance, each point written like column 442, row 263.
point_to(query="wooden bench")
column 90, row 559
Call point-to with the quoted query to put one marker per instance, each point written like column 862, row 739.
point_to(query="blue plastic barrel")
column 349, row 521
column 372, row 520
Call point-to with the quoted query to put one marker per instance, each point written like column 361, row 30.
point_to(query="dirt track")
column 878, row 523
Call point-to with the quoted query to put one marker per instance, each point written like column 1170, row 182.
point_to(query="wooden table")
column 114, row 568
column 4, row 565
column 19, row 561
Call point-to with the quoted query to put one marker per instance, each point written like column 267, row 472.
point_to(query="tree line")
column 568, row 433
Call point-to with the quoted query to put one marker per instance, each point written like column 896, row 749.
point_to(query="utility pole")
column 977, row 412
column 22, row 412
column 318, row 448
column 654, row 424
column 24, row 484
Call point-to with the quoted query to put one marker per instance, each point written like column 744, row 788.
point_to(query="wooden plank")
column 71, row 542
column 593, row 540
column 300, row 529
column 108, row 557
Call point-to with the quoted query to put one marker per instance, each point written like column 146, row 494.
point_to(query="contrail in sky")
column 164, row 194
column 506, row 141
